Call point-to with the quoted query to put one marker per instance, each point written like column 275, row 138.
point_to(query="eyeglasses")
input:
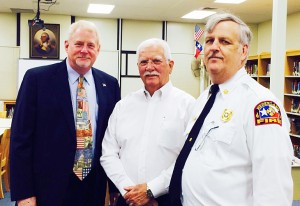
column 204, row 138
column 156, row 62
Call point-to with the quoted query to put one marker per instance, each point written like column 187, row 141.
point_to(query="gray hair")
column 156, row 41
column 245, row 32
column 85, row 25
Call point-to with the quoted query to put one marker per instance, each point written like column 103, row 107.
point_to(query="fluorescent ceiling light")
column 198, row 14
column 229, row 1
column 100, row 8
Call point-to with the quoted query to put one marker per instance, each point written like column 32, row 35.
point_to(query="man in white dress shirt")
column 243, row 153
column 145, row 131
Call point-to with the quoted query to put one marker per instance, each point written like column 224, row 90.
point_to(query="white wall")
column 8, row 72
column 264, row 37
column 292, row 34
column 254, row 42
column 293, row 31
column 179, row 37
column 108, row 57
column 8, row 25
column 9, row 55
column 133, row 33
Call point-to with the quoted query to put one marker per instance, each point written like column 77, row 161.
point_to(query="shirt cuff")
column 157, row 187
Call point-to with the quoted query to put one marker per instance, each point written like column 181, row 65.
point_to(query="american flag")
column 85, row 171
column 198, row 33
column 78, row 173
column 80, row 142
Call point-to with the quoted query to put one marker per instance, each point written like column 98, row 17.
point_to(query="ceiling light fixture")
column 198, row 14
column 229, row 1
column 100, row 8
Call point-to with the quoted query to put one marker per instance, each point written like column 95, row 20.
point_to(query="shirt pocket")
column 223, row 136
column 171, row 134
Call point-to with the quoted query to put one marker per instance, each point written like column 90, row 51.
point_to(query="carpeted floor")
column 6, row 201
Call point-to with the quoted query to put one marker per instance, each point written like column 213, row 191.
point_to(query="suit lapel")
column 64, row 95
column 100, row 84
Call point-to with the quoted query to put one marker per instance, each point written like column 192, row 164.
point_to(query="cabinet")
column 8, row 105
column 292, row 93
column 264, row 66
column 251, row 66
column 258, row 67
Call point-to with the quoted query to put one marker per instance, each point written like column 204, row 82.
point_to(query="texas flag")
column 198, row 49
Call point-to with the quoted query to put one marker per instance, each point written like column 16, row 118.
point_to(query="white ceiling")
column 251, row 11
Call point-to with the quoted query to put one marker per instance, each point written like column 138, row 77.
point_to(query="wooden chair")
column 3, row 114
column 4, row 162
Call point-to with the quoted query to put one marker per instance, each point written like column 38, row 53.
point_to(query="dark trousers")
column 88, row 192
column 163, row 200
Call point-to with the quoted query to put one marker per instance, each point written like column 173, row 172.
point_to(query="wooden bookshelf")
column 8, row 105
column 258, row 67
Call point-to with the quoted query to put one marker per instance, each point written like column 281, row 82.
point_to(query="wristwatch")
column 149, row 193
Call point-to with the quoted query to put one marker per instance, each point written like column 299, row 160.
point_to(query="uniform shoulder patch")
column 267, row 112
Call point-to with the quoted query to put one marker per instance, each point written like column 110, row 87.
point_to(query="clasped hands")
column 137, row 196
column 27, row 202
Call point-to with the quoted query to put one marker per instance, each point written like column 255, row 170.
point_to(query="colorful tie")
column 175, row 184
column 84, row 135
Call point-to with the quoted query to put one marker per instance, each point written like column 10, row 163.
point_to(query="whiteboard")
column 25, row 64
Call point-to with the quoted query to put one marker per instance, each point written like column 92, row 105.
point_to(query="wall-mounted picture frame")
column 44, row 42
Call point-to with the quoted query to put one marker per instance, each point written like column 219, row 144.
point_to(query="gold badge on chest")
column 227, row 114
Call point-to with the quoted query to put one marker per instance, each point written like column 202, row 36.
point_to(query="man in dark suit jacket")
column 43, row 139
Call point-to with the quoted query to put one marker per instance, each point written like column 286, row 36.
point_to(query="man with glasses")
column 145, row 131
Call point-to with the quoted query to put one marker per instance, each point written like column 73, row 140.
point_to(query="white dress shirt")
column 144, row 137
column 235, row 162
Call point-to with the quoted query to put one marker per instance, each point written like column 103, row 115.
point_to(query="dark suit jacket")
column 43, row 137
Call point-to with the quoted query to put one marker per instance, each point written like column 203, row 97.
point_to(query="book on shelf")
column 296, row 150
column 295, row 125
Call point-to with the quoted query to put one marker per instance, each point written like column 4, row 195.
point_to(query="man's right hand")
column 27, row 202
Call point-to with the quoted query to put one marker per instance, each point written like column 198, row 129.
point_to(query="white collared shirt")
column 144, row 137
column 235, row 162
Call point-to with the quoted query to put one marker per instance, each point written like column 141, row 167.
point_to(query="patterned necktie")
column 175, row 184
column 84, row 135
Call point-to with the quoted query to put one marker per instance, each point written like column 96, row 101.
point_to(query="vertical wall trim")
column 18, row 15
column 118, row 34
column 278, row 48
column 119, row 48
column 72, row 19
column 164, row 30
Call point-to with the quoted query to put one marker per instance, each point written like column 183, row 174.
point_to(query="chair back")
column 4, row 161
column 3, row 114
column 5, row 141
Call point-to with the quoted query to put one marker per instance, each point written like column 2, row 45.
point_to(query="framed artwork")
column 44, row 42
